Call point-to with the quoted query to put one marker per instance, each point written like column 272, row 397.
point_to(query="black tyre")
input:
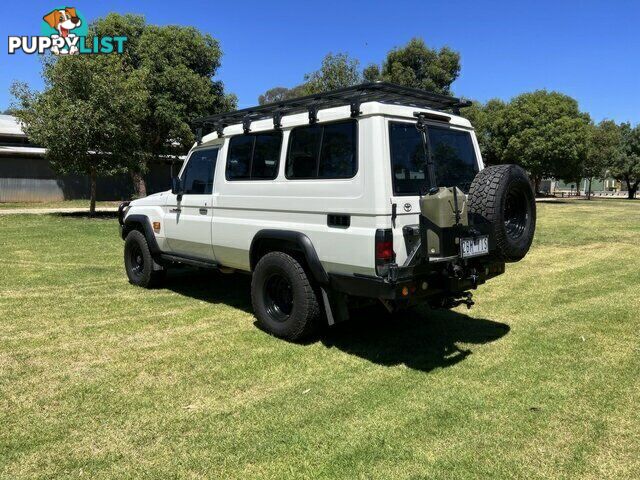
column 502, row 195
column 284, row 300
column 138, row 262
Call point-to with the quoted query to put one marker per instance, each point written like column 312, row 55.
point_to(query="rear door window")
column 408, row 159
column 454, row 157
column 452, row 152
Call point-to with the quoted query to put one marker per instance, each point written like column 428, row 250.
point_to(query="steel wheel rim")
column 516, row 213
column 278, row 297
column 136, row 260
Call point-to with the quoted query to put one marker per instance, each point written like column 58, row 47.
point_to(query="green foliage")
column 604, row 148
column 276, row 94
column 89, row 116
column 416, row 65
column 487, row 120
column 372, row 73
column 135, row 106
column 181, row 63
column 543, row 131
column 336, row 71
column 626, row 166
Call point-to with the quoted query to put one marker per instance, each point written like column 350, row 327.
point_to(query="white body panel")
column 238, row 209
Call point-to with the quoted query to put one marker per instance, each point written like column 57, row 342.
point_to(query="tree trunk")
column 139, row 185
column 578, row 182
column 536, row 184
column 92, row 204
column 589, row 190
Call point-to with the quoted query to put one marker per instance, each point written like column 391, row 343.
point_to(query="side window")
column 304, row 147
column 254, row 156
column 197, row 176
column 323, row 151
column 239, row 157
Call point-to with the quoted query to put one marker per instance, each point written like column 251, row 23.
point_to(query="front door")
column 188, row 216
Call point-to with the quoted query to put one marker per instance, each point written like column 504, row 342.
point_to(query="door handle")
column 203, row 211
column 175, row 210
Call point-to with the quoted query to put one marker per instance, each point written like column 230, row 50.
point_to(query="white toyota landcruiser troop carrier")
column 371, row 192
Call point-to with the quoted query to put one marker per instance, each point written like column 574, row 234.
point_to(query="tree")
column 487, row 120
column 625, row 167
column 171, row 72
column 604, row 146
column 180, row 63
column 416, row 65
column 336, row 71
column 542, row 131
column 276, row 94
column 88, row 117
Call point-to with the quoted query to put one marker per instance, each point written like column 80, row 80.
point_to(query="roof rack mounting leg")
column 219, row 128
column 313, row 114
column 199, row 135
column 277, row 120
column 246, row 124
column 355, row 109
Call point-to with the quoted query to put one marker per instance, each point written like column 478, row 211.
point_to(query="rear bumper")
column 412, row 287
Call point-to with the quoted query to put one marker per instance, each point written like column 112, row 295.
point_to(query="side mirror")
column 176, row 186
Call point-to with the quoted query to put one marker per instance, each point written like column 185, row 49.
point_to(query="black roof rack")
column 354, row 96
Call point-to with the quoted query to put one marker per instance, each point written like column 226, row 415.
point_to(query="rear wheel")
column 138, row 262
column 284, row 300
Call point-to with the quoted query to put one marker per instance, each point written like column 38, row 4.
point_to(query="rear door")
column 188, row 217
column 455, row 163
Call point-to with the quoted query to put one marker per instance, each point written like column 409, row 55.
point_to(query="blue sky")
column 587, row 49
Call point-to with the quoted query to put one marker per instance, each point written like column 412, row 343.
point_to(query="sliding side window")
column 254, row 156
column 326, row 151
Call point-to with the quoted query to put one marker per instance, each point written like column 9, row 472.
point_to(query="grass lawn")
column 60, row 204
column 99, row 379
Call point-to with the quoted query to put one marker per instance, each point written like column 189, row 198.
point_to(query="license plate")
column 472, row 247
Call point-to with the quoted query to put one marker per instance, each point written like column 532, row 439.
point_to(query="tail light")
column 384, row 251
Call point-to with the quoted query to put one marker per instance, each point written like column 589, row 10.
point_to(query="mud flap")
column 335, row 307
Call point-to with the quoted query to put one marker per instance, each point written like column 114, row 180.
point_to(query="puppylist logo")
column 64, row 32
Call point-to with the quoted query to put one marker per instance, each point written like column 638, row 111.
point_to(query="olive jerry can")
column 439, row 210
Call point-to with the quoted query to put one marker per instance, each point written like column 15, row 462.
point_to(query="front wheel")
column 138, row 262
column 283, row 298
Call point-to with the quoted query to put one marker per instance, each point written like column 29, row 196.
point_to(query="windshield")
column 452, row 151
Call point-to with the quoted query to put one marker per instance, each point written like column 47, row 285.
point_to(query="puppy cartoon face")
column 63, row 20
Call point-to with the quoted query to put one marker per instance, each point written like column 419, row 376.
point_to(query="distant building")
column 25, row 175
column 607, row 186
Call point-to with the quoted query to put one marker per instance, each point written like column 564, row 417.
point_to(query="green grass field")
column 60, row 204
column 99, row 379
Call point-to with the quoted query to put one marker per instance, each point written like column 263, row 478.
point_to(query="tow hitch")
column 465, row 298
